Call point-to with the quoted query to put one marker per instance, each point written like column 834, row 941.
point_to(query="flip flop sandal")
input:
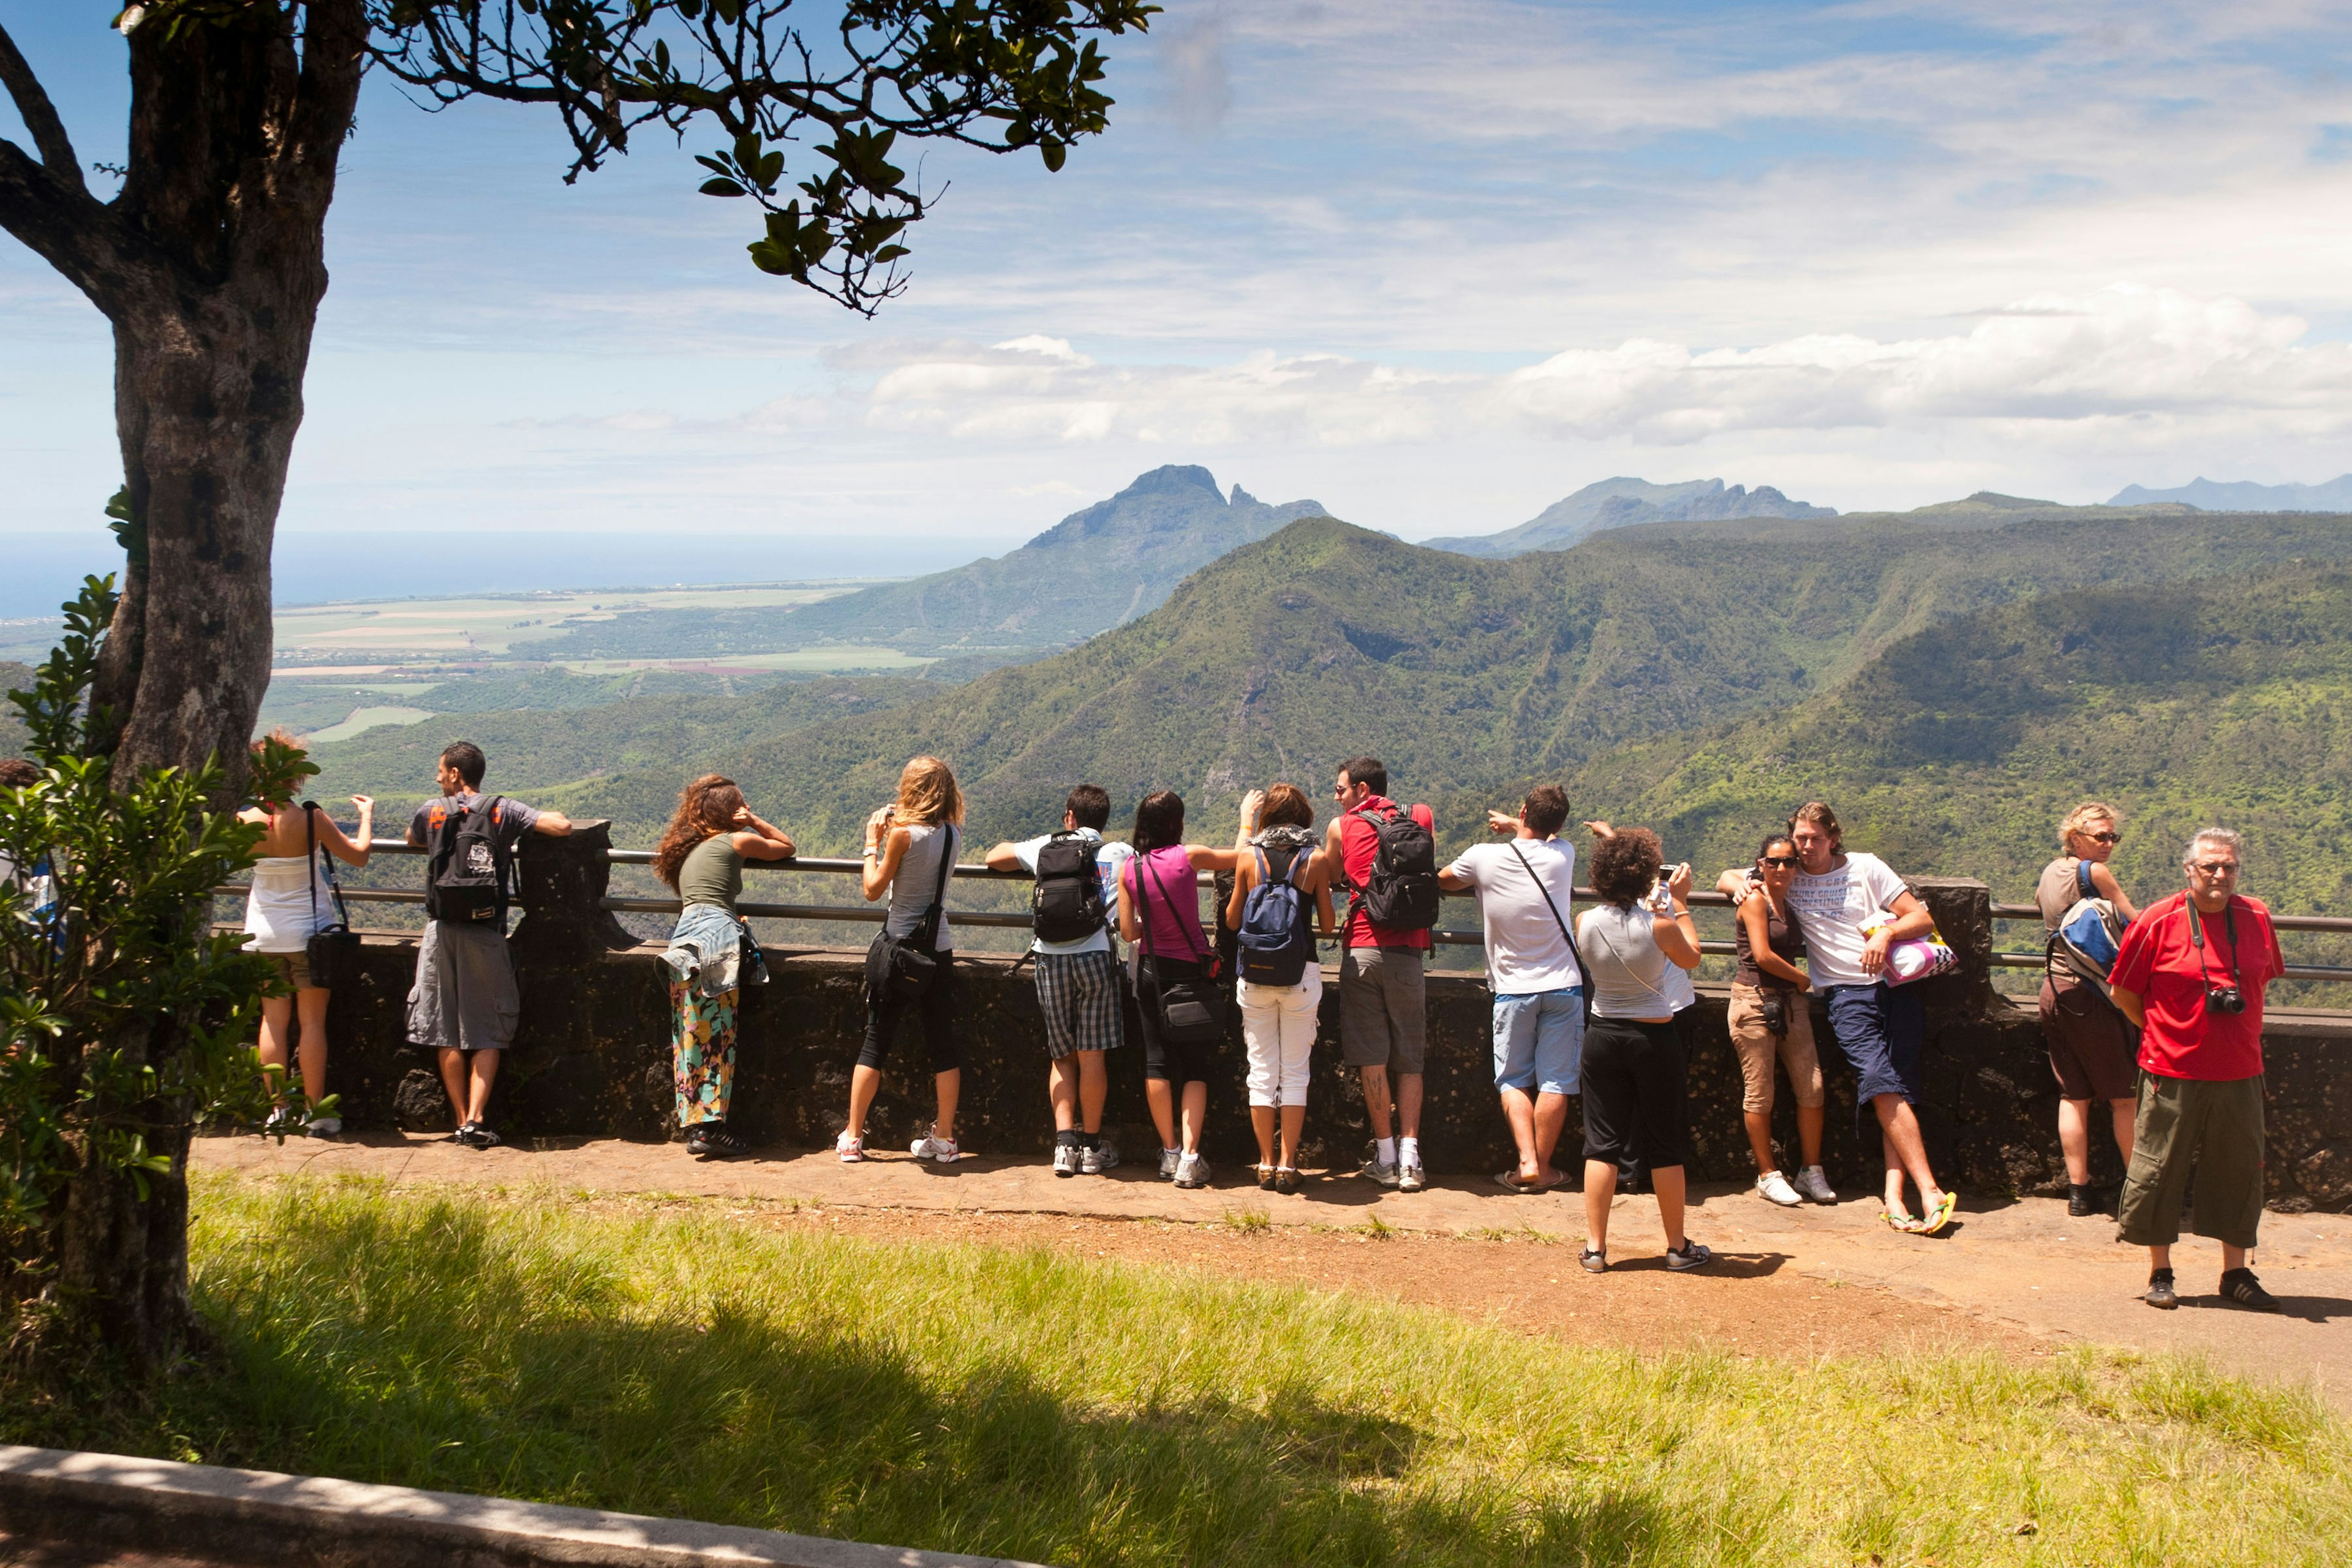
column 1509, row 1181
column 1902, row 1223
column 1935, row 1221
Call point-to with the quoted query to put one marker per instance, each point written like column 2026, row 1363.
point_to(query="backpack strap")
column 2083, row 880
column 334, row 887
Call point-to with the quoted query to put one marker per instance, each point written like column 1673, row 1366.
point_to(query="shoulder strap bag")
column 333, row 948
column 905, row 967
column 1189, row 1010
column 1583, row 976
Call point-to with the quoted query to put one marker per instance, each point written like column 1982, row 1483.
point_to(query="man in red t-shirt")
column 2190, row 975
column 1383, row 1016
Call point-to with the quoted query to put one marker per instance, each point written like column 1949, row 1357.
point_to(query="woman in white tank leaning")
column 290, row 902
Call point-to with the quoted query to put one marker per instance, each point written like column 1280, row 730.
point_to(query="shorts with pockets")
column 1635, row 1099
column 1081, row 997
column 2209, row 1129
column 1539, row 1041
column 1383, row 1008
column 1882, row 1029
column 1759, row 1046
column 294, row 968
column 2092, row 1049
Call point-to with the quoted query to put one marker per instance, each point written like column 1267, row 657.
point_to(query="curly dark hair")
column 1625, row 866
column 706, row 808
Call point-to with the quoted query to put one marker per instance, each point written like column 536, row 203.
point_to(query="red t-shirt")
column 1358, row 845
column 2181, row 1039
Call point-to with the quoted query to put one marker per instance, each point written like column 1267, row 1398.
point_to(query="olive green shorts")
column 2185, row 1126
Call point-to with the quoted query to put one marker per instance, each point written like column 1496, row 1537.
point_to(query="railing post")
column 563, row 885
column 1962, row 907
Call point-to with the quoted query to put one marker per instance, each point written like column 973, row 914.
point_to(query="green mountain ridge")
column 1096, row 569
column 1288, row 655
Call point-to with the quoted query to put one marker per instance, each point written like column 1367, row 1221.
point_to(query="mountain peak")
column 1620, row 500
column 1173, row 478
column 2245, row 495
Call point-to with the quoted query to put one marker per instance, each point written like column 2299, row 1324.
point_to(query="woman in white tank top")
column 289, row 904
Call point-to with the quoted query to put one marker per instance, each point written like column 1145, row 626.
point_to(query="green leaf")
column 1055, row 154
column 723, row 187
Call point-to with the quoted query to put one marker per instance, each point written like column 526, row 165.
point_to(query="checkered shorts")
column 1079, row 993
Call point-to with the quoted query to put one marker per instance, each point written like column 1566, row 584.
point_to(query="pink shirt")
column 1166, row 897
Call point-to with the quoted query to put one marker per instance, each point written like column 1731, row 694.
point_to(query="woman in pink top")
column 1159, row 910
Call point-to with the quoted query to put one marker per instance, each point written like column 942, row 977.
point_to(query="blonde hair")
column 928, row 793
column 2079, row 820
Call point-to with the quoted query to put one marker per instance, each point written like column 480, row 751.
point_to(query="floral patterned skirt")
column 702, row 1051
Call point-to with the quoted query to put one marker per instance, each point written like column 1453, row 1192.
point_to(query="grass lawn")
column 674, row 1359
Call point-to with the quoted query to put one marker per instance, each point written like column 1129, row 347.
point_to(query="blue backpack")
column 1276, row 941
column 2089, row 935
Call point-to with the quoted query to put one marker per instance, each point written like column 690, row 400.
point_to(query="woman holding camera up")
column 910, row 853
column 1772, row 1017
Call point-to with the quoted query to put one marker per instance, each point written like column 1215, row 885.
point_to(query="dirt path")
column 2018, row 1277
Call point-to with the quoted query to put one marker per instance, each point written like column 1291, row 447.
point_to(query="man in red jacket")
column 2190, row 975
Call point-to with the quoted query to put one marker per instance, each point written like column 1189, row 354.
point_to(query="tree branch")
column 40, row 116
column 67, row 227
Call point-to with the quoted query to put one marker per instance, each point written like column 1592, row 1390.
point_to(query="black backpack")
column 465, row 879
column 1401, row 893
column 1066, row 905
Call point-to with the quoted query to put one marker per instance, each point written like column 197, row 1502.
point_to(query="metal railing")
column 874, row 913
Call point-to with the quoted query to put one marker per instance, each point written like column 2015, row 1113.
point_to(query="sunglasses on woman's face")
column 1779, row 862
column 2104, row 838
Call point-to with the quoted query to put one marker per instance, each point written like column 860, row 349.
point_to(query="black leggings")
column 1172, row 1062
column 936, row 1007
column 1634, row 1101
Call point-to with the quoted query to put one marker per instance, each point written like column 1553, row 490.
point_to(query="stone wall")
column 593, row 1060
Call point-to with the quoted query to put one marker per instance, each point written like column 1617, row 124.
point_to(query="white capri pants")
column 1277, row 1033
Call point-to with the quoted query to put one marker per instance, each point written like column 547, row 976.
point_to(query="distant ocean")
column 39, row 570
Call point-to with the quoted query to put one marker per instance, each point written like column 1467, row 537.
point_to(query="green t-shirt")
column 712, row 872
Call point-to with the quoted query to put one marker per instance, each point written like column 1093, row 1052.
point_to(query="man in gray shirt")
column 464, row 1004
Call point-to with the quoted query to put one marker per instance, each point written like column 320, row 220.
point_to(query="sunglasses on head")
column 1779, row 861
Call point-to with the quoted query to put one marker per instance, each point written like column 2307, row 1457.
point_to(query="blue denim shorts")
column 1880, row 1029
column 1539, row 1041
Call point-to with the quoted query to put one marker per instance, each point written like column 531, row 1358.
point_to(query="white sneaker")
column 324, row 1126
column 1191, row 1171
column 926, row 1147
column 1100, row 1159
column 851, row 1150
column 1169, row 1159
column 1815, row 1186
column 1065, row 1158
column 1774, row 1188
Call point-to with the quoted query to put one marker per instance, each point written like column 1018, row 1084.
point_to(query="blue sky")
column 1435, row 265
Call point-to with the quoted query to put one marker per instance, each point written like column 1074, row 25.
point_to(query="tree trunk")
column 210, row 265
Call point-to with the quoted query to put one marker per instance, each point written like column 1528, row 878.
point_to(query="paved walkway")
column 2024, row 1264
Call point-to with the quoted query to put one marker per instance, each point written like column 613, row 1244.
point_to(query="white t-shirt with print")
column 1679, row 988
column 1832, row 908
column 1526, row 953
column 1108, row 859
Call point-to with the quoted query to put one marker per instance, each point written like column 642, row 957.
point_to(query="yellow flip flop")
column 1902, row 1223
column 1941, row 1215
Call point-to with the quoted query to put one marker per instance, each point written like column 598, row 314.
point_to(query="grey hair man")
column 2191, row 973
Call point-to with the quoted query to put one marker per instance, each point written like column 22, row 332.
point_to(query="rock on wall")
column 593, row 1060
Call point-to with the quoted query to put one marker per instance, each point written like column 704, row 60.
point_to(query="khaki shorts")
column 294, row 968
column 1759, row 1046
column 1383, row 1010
column 2209, row 1129
column 2093, row 1048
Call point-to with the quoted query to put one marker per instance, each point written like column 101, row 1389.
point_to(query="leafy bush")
column 123, row 1018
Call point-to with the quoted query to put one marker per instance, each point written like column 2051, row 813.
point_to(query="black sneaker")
column 1692, row 1255
column 2082, row 1201
column 464, row 1134
column 711, row 1141
column 2241, row 1289
column 2159, row 1290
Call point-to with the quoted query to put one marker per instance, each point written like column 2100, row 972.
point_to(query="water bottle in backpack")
column 1276, row 941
